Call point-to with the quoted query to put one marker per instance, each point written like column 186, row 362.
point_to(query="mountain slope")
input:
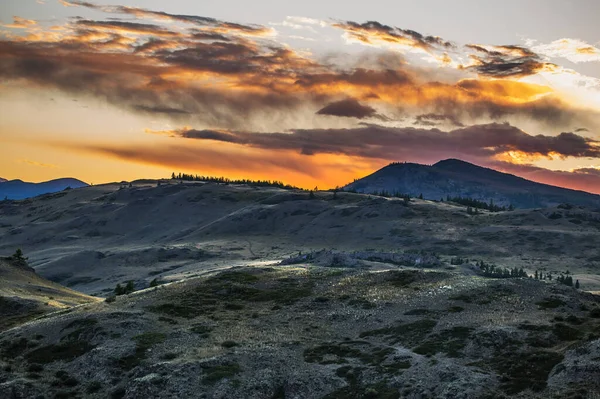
column 316, row 332
column 2, row 180
column 454, row 178
column 92, row 238
column 25, row 295
column 18, row 189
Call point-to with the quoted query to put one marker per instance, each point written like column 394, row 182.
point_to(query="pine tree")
column 536, row 275
column 421, row 196
column 18, row 256
column 577, row 284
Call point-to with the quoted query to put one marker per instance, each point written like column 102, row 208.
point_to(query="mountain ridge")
column 17, row 189
column 457, row 178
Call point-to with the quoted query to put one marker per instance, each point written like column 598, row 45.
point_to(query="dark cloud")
column 349, row 107
column 160, row 110
column 435, row 119
column 588, row 171
column 192, row 19
column 372, row 31
column 215, row 76
column 131, row 27
column 372, row 141
column 507, row 61
column 578, row 179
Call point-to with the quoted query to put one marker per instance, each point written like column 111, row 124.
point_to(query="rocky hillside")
column 25, row 295
column 306, row 331
column 93, row 238
column 18, row 189
column 457, row 178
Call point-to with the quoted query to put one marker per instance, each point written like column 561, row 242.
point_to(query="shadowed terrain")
column 456, row 178
column 269, row 293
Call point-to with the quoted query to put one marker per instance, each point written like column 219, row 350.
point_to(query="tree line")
column 225, row 180
column 473, row 203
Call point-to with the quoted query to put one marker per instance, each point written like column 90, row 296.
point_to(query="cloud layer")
column 411, row 96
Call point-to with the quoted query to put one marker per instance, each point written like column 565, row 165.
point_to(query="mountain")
column 2, row 180
column 453, row 177
column 18, row 189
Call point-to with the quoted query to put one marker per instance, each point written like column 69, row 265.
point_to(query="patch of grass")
column 202, row 330
column 35, row 368
column 419, row 312
column 229, row 344
column 550, row 303
column 214, row 374
column 455, row 309
column 372, row 391
column 407, row 333
column 184, row 311
column 361, row 303
column 233, row 306
column 169, row 356
column 144, row 342
column 402, row 278
column 93, row 387
column 451, row 342
column 520, row 371
column 66, row 351
column 566, row 333
column 238, row 277
column 330, row 353
column 12, row 349
column 462, row 297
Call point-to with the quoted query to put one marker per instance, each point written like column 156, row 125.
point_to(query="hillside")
column 457, row 178
column 271, row 293
column 18, row 189
column 308, row 331
column 92, row 238
column 25, row 295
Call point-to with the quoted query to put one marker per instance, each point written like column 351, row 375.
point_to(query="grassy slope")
column 93, row 238
column 307, row 331
column 25, row 295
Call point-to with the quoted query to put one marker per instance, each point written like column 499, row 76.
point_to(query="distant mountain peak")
column 452, row 162
column 457, row 178
column 18, row 189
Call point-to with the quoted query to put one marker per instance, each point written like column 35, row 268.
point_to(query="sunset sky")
column 313, row 93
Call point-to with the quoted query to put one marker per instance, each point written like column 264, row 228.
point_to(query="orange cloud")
column 21, row 23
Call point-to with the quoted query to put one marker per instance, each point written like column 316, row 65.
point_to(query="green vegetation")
column 128, row 289
column 524, row 370
column 66, row 351
column 225, row 180
column 497, row 272
column 19, row 258
column 372, row 391
column 143, row 343
column 450, row 342
column 93, row 387
column 550, row 303
column 476, row 204
column 407, row 333
column 214, row 374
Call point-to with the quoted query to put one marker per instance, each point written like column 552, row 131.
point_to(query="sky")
column 311, row 93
